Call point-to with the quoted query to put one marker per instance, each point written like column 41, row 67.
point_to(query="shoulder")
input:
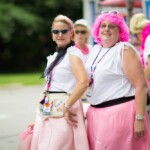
column 147, row 40
column 89, row 46
column 127, row 46
column 75, row 51
column 51, row 57
column 97, row 46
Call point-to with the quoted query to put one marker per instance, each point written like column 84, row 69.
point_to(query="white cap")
column 82, row 22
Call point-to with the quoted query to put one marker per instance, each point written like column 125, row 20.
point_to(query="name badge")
column 47, row 107
column 89, row 92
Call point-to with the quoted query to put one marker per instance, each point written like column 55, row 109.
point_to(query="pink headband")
column 67, row 19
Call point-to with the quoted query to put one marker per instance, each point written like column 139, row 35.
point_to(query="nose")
column 107, row 28
column 60, row 34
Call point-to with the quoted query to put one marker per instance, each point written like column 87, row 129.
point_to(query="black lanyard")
column 94, row 68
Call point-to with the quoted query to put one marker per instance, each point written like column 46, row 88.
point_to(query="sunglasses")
column 82, row 32
column 64, row 31
column 103, row 26
column 111, row 12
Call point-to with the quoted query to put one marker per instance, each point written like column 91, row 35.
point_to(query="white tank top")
column 110, row 81
column 63, row 78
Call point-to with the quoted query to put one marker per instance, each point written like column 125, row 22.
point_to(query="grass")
column 21, row 78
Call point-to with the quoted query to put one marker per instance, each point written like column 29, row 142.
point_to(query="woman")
column 116, row 119
column 140, row 26
column 67, row 75
column 82, row 33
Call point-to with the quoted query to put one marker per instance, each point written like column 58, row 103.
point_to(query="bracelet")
column 66, row 105
column 139, row 117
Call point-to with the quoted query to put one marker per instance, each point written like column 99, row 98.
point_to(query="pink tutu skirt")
column 57, row 134
column 112, row 128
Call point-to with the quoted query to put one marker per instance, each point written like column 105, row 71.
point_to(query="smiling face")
column 81, row 34
column 62, row 40
column 109, row 33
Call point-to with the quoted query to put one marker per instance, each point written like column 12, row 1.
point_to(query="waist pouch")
column 56, row 100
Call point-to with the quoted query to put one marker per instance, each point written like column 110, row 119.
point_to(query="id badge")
column 47, row 107
column 89, row 92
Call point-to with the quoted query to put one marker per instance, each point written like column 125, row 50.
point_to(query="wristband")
column 66, row 105
column 139, row 117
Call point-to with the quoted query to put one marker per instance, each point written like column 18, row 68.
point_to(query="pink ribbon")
column 25, row 134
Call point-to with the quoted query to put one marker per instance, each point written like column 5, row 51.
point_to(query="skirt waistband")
column 114, row 102
column 53, row 92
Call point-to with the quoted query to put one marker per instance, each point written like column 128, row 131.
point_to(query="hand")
column 68, row 115
column 31, row 126
column 139, row 129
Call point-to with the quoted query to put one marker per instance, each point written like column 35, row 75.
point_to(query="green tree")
column 25, row 37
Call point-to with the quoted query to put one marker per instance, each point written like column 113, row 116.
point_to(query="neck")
column 81, row 45
column 108, row 44
column 84, row 50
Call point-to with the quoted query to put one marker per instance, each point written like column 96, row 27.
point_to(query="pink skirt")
column 112, row 128
column 57, row 134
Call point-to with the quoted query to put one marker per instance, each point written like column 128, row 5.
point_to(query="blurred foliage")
column 25, row 38
column 21, row 78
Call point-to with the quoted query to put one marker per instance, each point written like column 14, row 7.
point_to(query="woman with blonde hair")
column 140, row 26
column 82, row 33
column 65, row 74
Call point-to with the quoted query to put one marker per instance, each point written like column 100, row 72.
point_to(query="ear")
column 72, row 34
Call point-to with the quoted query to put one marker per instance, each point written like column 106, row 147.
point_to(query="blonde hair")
column 138, row 22
column 64, row 19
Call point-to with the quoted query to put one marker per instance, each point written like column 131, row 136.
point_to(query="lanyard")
column 50, row 76
column 93, row 68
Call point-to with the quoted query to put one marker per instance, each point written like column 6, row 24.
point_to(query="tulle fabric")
column 57, row 134
column 112, row 128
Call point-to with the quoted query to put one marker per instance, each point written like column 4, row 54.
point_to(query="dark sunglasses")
column 82, row 32
column 64, row 31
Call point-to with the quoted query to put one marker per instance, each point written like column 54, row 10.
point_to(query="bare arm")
column 82, row 83
column 133, row 69
column 81, row 77
column 147, row 69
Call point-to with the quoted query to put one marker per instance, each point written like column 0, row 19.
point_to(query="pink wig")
column 145, row 33
column 116, row 19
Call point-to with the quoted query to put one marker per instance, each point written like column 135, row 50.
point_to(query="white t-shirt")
column 63, row 78
column 90, row 49
column 110, row 81
column 146, row 51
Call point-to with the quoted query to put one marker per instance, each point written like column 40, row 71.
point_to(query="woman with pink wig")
column 117, row 118
column 65, row 74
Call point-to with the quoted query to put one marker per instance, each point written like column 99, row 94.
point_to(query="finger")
column 137, row 135
column 142, row 133
column 73, row 114
column 72, row 122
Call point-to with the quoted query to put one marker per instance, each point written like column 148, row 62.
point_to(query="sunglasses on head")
column 82, row 32
column 64, row 31
column 111, row 12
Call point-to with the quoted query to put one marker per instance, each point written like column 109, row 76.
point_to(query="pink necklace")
column 85, row 50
